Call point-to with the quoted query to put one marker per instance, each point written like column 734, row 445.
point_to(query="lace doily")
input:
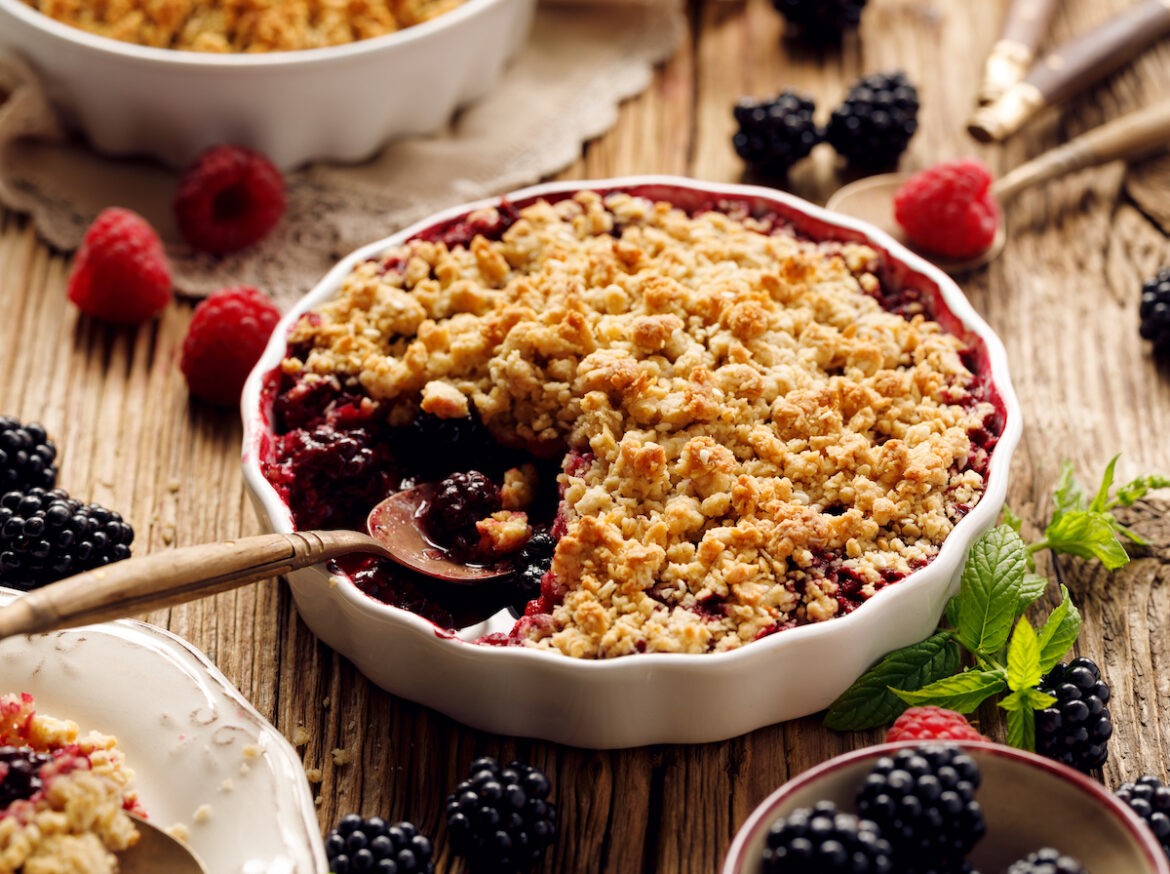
column 561, row 90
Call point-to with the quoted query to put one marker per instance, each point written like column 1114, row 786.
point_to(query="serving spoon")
column 1128, row 136
column 175, row 576
column 157, row 852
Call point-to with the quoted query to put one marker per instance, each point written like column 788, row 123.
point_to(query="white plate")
column 201, row 754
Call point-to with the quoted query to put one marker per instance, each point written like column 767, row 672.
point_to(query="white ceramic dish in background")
column 337, row 103
column 1028, row 801
column 189, row 736
column 639, row 699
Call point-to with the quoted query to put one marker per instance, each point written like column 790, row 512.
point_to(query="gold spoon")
column 157, row 852
column 1131, row 135
column 174, row 576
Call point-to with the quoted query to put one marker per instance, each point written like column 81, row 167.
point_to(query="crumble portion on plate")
column 66, row 797
column 752, row 441
column 242, row 25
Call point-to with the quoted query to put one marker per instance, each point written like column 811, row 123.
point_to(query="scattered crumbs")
column 318, row 801
column 179, row 832
column 300, row 736
column 202, row 814
column 313, row 775
column 245, row 769
column 168, row 534
column 227, row 785
column 174, row 485
column 253, row 751
column 340, row 756
column 335, row 581
column 326, row 704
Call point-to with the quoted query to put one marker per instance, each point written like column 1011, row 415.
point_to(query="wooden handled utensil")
column 1015, row 50
column 1071, row 68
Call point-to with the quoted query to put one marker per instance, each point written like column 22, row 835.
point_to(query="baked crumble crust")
column 749, row 429
column 242, row 25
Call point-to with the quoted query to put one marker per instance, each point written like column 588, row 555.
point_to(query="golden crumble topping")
column 242, row 25
column 753, row 441
column 77, row 820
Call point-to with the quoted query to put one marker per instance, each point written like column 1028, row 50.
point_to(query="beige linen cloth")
column 561, row 90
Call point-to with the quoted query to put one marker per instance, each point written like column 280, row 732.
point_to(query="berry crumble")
column 242, row 25
column 714, row 429
column 64, row 798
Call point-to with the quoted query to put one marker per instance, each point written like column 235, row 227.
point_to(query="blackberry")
column 458, row 503
column 923, row 800
column 1154, row 310
column 500, row 819
column 27, row 457
column 775, row 134
column 20, row 770
column 873, row 125
column 431, row 447
column 821, row 21
column 1076, row 729
column 47, row 535
column 1149, row 798
column 532, row 563
column 371, row 844
column 822, row 839
column 1047, row 861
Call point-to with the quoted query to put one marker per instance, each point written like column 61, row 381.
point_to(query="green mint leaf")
column 962, row 692
column 989, row 590
column 1067, row 494
column 1021, row 722
column 1031, row 588
column 952, row 612
column 869, row 703
column 1129, row 493
column 1023, row 660
column 1100, row 502
column 1087, row 535
column 1011, row 520
column 1059, row 632
column 1038, row 700
column 1130, row 533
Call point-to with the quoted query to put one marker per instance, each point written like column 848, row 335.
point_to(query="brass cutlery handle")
column 170, row 577
column 1129, row 136
column 1071, row 68
column 1012, row 55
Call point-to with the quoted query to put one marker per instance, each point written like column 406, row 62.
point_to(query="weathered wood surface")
column 1063, row 296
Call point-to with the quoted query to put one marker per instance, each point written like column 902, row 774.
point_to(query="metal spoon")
column 174, row 576
column 1131, row 135
column 157, row 852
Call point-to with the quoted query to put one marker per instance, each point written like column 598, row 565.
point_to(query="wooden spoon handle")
column 173, row 576
column 1024, row 27
column 1133, row 134
column 1073, row 67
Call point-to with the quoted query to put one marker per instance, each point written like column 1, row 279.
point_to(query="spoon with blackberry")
column 951, row 213
column 406, row 527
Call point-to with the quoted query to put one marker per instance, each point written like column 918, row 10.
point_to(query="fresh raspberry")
column 949, row 209
column 120, row 272
column 932, row 723
column 227, row 334
column 230, row 198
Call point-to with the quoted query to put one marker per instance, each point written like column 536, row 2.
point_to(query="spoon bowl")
column 1128, row 136
column 157, row 852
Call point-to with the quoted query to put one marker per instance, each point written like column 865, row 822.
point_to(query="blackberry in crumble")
column 371, row 844
column 775, row 134
column 1076, row 729
column 1149, row 798
column 822, row 21
column 20, row 769
column 47, row 535
column 823, row 840
column 874, row 124
column 923, row 800
column 459, row 501
column 500, row 819
column 27, row 456
column 532, row 562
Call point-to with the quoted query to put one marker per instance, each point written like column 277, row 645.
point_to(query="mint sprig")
column 1005, row 654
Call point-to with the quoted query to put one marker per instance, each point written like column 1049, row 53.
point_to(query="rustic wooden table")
column 1063, row 297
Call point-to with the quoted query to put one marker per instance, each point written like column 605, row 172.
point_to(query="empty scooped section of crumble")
column 242, row 25
column 751, row 440
column 65, row 796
